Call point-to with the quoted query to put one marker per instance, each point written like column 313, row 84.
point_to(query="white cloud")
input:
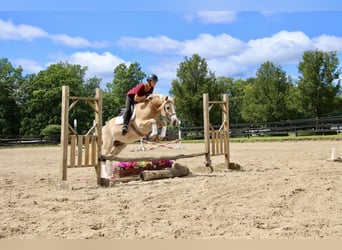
column 229, row 56
column 75, row 42
column 209, row 46
column 216, row 16
column 9, row 31
column 156, row 44
column 328, row 43
column 71, row 41
column 206, row 45
column 225, row 55
column 166, row 71
column 283, row 47
column 28, row 65
column 100, row 65
column 226, row 66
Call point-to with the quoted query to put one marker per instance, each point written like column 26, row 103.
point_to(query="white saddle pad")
column 119, row 119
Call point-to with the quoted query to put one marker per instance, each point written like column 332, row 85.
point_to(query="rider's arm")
column 141, row 94
column 138, row 98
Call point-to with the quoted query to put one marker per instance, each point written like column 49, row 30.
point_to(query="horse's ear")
column 166, row 98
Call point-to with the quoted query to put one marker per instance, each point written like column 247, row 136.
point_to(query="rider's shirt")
column 139, row 90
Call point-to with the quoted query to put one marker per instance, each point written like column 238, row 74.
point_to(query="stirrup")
column 124, row 129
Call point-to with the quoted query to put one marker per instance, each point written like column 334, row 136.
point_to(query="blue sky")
column 235, row 37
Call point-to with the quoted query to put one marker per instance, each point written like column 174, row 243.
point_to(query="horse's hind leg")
column 107, row 147
column 107, row 139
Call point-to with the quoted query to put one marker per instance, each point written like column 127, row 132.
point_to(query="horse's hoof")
column 153, row 137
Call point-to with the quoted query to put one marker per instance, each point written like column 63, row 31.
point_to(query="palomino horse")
column 147, row 118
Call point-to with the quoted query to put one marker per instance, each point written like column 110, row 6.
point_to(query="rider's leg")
column 127, row 114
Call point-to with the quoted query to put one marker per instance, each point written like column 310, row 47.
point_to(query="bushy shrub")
column 52, row 132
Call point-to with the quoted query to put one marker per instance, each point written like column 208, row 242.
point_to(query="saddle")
column 119, row 118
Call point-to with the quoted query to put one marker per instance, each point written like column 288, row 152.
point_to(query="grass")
column 287, row 138
column 276, row 138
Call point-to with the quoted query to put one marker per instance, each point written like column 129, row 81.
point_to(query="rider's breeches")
column 128, row 112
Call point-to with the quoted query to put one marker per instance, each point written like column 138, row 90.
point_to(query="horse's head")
column 166, row 108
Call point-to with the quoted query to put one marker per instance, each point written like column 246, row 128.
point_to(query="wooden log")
column 126, row 179
column 177, row 170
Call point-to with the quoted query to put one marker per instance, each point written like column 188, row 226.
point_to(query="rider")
column 138, row 94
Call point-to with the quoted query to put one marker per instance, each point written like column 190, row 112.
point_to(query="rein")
column 162, row 106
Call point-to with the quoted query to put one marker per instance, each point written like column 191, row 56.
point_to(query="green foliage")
column 319, row 84
column 293, row 103
column 43, row 103
column 114, row 96
column 52, row 132
column 10, row 78
column 82, row 112
column 194, row 79
column 235, row 90
column 265, row 96
column 315, row 132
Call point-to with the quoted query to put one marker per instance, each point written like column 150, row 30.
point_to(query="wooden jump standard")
column 216, row 141
column 85, row 150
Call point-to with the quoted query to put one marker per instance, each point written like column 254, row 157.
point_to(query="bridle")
column 163, row 110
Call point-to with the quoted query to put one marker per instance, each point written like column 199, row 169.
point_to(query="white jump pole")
column 179, row 145
column 75, row 128
column 142, row 147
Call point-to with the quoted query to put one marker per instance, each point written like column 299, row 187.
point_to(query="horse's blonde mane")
column 162, row 96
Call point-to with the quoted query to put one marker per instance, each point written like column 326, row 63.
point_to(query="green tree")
column 114, row 96
column 319, row 83
column 265, row 97
column 293, row 102
column 235, row 90
column 10, row 78
column 90, row 86
column 82, row 112
column 43, row 100
column 194, row 79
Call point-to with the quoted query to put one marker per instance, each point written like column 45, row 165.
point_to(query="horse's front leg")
column 163, row 131
column 163, row 124
column 151, row 123
column 154, row 129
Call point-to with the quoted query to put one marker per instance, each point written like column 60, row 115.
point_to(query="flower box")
column 125, row 169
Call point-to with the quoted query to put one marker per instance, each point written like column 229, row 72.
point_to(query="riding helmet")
column 152, row 77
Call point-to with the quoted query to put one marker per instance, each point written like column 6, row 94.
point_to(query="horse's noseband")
column 168, row 115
